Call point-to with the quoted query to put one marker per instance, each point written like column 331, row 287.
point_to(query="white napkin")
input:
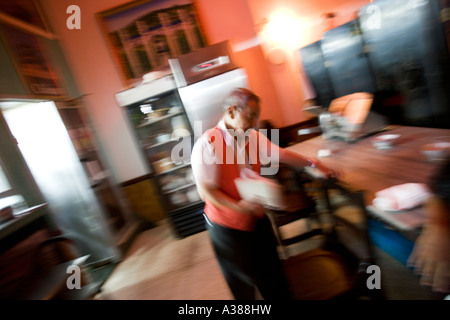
column 401, row 197
column 252, row 187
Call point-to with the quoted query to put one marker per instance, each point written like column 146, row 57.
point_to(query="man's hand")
column 327, row 172
column 431, row 254
column 431, row 259
column 252, row 208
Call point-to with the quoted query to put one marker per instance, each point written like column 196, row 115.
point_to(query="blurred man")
column 240, row 232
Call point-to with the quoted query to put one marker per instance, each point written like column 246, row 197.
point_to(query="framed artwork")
column 31, row 62
column 142, row 35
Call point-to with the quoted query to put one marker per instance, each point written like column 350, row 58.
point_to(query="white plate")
column 386, row 137
column 384, row 141
column 436, row 150
column 378, row 204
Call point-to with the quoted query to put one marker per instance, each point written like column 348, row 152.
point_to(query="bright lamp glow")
column 283, row 29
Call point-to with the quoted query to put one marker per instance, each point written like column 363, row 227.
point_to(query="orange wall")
column 94, row 71
column 232, row 20
column 280, row 86
column 307, row 23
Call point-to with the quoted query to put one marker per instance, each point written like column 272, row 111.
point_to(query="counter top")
column 364, row 167
column 22, row 220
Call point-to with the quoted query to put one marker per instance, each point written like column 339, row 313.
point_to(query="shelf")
column 182, row 210
column 153, row 121
column 146, row 91
column 173, row 169
column 178, row 188
column 88, row 155
column 68, row 106
column 154, row 145
column 189, row 219
column 96, row 183
column 26, row 26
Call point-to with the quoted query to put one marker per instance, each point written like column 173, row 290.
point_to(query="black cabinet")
column 397, row 50
column 346, row 61
column 408, row 52
column 314, row 67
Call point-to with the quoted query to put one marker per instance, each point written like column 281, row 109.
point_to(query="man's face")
column 247, row 118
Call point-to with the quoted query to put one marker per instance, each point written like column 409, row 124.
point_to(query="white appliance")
column 203, row 101
column 204, row 78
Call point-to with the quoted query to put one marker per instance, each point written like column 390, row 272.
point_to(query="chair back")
column 337, row 267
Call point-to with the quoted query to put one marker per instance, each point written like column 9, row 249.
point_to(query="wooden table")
column 366, row 168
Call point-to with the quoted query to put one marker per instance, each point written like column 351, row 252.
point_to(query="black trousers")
column 250, row 259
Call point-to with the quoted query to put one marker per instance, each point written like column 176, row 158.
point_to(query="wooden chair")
column 334, row 252
column 300, row 207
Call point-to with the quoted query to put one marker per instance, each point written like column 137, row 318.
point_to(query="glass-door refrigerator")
column 159, row 122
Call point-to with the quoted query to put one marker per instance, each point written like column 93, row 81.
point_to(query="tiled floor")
column 160, row 267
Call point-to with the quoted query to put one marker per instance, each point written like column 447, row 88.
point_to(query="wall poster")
column 143, row 35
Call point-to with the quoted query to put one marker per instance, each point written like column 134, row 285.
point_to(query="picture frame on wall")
column 142, row 35
column 29, row 56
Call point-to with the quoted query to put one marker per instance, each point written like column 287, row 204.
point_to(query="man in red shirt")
column 240, row 232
